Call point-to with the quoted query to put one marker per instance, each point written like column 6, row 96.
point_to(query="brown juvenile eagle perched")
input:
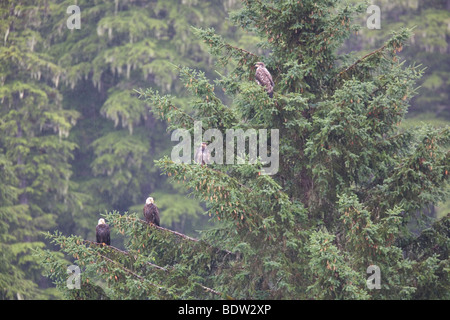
column 264, row 78
column 151, row 212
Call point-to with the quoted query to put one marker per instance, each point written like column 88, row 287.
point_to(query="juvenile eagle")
column 151, row 212
column 102, row 232
column 264, row 78
column 202, row 155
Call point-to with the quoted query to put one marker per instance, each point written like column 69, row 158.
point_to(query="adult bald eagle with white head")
column 102, row 232
column 151, row 212
column 264, row 78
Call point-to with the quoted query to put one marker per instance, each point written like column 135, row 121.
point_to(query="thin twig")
column 230, row 47
column 363, row 58
column 124, row 252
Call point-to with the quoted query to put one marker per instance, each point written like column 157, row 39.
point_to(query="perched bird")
column 151, row 212
column 102, row 232
column 202, row 155
column 264, row 78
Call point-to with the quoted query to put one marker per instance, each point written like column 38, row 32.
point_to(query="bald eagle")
column 151, row 212
column 202, row 155
column 102, row 232
column 264, row 78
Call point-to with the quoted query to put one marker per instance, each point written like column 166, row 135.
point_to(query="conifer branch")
column 123, row 252
column 146, row 262
column 264, row 6
column 181, row 235
column 234, row 182
column 169, row 107
column 396, row 43
column 128, row 270
column 362, row 59
column 246, row 52
column 178, row 234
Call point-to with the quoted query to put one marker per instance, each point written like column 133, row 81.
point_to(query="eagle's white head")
column 260, row 64
column 149, row 200
column 101, row 221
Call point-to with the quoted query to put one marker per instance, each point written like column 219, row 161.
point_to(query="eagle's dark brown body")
column 102, row 233
column 151, row 213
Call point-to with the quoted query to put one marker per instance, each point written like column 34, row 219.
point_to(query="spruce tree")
column 347, row 197
column 34, row 150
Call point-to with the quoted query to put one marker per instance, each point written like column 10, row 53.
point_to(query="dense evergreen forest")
column 86, row 117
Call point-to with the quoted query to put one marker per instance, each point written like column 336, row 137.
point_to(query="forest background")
column 77, row 142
